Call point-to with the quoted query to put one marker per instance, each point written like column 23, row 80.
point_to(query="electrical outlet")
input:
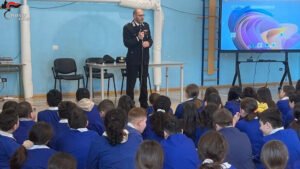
column 3, row 80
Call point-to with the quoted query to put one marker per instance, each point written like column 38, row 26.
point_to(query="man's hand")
column 141, row 35
column 146, row 44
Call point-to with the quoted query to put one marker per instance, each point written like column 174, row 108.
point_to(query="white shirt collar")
column 285, row 98
column 224, row 165
column 130, row 125
column 38, row 147
column 52, row 108
column 25, row 119
column 125, row 138
column 63, row 121
column 277, row 129
column 6, row 134
column 82, row 129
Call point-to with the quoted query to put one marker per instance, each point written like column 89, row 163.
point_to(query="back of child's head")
column 206, row 116
column 222, row 117
column 150, row 155
column 8, row 119
column 24, row 109
column 10, row 105
column 82, row 93
column 162, row 103
column 272, row 116
column 192, row 91
column 249, row 106
column 212, row 146
column 214, row 98
column 115, row 121
column 249, row 92
column 190, row 120
column 274, row 155
column 153, row 97
column 264, row 95
column 106, row 105
column 64, row 109
column 126, row 103
column 62, row 160
column 288, row 90
column 172, row 125
column 77, row 119
column 39, row 134
column 136, row 113
column 54, row 97
column 234, row 93
column 294, row 98
column 209, row 91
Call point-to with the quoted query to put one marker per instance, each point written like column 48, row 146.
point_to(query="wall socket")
column 3, row 79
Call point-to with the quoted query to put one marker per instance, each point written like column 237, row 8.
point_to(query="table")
column 13, row 67
column 123, row 66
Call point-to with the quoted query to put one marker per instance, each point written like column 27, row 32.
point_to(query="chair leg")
column 108, row 87
column 83, row 82
column 87, row 82
column 54, row 83
column 122, row 85
column 114, row 86
column 78, row 83
column 60, row 85
column 150, row 84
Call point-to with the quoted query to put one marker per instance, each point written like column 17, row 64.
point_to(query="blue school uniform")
column 134, row 131
column 77, row 142
column 49, row 116
column 21, row 134
column 149, row 110
column 200, row 131
column 286, row 111
column 290, row 139
column 179, row 108
column 149, row 134
column 251, row 128
column 239, row 148
column 233, row 106
column 37, row 157
column 95, row 121
column 59, row 130
column 121, row 156
column 8, row 146
column 180, row 153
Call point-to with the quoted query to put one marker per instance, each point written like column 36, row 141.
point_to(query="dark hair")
column 172, row 125
column 39, row 134
column 296, row 123
column 64, row 109
column 106, row 105
column 192, row 90
column 135, row 113
column 274, row 155
column 8, row 118
column 273, row 116
column 77, row 118
column 209, row 91
column 298, row 86
column 161, row 109
column 115, row 121
column 150, row 155
column 222, row 117
column 190, row 120
column 234, row 93
column 212, row 145
column 126, row 103
column 153, row 97
column 264, row 95
column 249, row 92
column 288, row 90
column 295, row 97
column 249, row 105
column 10, row 105
column 62, row 160
column 24, row 109
column 214, row 98
column 82, row 93
column 54, row 97
column 206, row 116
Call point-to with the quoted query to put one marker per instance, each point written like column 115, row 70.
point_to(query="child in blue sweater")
column 25, row 112
column 149, row 155
column 137, row 118
column 272, row 127
column 62, row 160
column 117, row 147
column 77, row 140
column 50, row 115
column 9, row 122
column 179, row 150
column 36, row 156
column 10, row 105
column 152, row 99
column 212, row 149
column 233, row 100
column 283, row 104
